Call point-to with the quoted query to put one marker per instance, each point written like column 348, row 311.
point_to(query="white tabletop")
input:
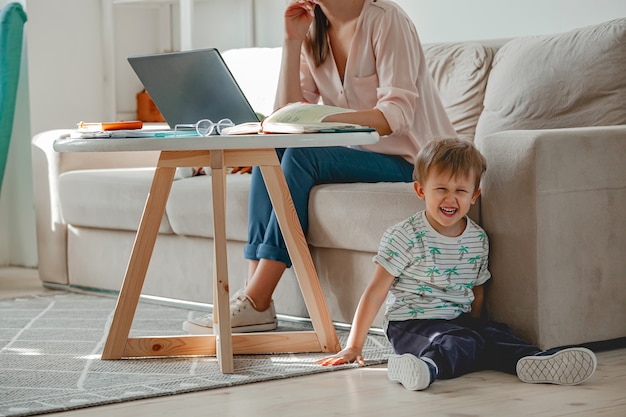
column 263, row 141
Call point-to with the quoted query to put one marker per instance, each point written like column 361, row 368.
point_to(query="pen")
column 111, row 125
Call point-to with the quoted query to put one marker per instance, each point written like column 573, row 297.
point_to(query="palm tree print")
column 423, row 289
column 450, row 272
column 482, row 237
column 434, row 251
column 431, row 273
column 474, row 260
column 466, row 288
column 391, row 254
column 415, row 311
column 419, row 259
column 463, row 250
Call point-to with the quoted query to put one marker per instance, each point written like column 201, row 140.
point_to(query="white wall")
column 453, row 20
column 65, row 79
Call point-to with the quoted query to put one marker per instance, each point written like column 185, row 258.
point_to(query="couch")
column 549, row 114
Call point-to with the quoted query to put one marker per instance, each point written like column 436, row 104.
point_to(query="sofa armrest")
column 553, row 206
column 51, row 231
column 48, row 165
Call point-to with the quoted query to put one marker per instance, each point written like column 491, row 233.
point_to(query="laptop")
column 192, row 85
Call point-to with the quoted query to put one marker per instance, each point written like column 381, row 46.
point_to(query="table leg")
column 301, row 257
column 221, row 302
column 138, row 263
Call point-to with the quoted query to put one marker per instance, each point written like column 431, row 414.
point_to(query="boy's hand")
column 347, row 355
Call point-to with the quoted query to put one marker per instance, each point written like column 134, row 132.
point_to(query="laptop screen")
column 192, row 85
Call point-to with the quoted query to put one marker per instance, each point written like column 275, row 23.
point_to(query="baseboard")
column 190, row 305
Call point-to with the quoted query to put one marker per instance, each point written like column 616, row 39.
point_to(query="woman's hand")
column 298, row 17
column 347, row 355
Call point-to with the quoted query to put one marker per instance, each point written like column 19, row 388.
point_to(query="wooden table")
column 218, row 152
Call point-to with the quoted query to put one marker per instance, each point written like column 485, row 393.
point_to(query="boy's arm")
column 372, row 299
column 477, row 304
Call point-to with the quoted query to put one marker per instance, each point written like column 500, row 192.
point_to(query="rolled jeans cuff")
column 264, row 251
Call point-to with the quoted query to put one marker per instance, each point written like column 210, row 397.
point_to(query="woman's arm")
column 372, row 299
column 289, row 90
column 372, row 118
column 394, row 55
column 298, row 18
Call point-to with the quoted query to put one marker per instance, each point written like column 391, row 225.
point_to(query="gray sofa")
column 548, row 112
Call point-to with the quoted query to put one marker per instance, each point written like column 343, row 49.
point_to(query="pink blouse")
column 386, row 69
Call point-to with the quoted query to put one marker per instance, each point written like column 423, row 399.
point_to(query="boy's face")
column 448, row 199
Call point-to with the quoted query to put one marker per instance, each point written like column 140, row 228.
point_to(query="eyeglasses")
column 204, row 127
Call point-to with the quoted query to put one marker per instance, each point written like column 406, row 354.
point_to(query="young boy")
column 431, row 269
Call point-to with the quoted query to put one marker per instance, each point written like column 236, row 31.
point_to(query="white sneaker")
column 565, row 367
column 410, row 371
column 244, row 318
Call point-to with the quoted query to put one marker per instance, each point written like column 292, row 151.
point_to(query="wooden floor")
column 367, row 392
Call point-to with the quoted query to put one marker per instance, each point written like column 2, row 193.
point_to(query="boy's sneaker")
column 412, row 372
column 565, row 367
column 244, row 318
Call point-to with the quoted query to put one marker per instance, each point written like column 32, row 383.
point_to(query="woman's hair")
column 316, row 41
column 456, row 156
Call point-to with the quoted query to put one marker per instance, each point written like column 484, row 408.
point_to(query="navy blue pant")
column 462, row 345
column 303, row 169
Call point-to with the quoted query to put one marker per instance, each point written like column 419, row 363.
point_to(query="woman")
column 359, row 54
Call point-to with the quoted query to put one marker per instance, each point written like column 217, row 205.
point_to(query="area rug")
column 50, row 350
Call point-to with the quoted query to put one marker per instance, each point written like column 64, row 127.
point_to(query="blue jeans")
column 303, row 169
column 462, row 345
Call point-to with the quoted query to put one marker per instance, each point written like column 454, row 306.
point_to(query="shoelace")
column 238, row 305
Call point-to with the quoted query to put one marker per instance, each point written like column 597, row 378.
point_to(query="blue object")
column 304, row 168
column 12, row 19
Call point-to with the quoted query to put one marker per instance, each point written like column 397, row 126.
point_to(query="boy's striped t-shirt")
column 434, row 274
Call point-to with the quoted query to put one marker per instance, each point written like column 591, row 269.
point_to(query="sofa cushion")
column 571, row 79
column 190, row 207
column 334, row 222
column 341, row 216
column 355, row 216
column 460, row 71
column 106, row 198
